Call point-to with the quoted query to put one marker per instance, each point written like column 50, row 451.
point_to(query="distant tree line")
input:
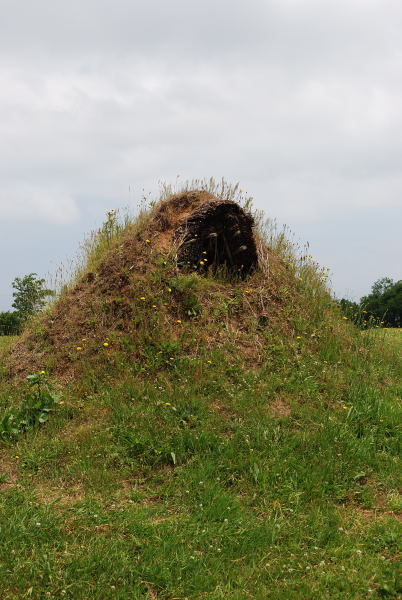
column 381, row 308
column 29, row 299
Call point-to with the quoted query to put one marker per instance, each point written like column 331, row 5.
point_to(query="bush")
column 10, row 323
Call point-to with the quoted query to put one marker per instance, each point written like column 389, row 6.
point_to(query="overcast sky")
column 298, row 100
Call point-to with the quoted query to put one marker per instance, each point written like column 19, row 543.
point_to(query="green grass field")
column 390, row 336
column 277, row 485
column 6, row 341
column 213, row 440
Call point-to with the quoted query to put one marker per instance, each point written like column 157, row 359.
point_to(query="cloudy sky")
column 298, row 100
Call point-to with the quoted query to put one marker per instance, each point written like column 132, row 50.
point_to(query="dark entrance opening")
column 218, row 234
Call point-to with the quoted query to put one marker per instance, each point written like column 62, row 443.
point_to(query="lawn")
column 6, row 341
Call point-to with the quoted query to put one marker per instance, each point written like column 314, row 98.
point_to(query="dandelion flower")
column 168, row 404
column 169, row 289
column 204, row 252
column 42, row 372
column 345, row 318
column 79, row 348
column 298, row 337
column 178, row 321
column 147, row 241
column 201, row 262
column 142, row 298
column 106, row 344
column 17, row 456
column 209, row 362
column 154, row 306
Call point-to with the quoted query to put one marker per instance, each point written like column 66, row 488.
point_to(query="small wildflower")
column 202, row 262
column 17, row 456
column 339, row 454
column 142, row 298
column 171, row 358
column 209, row 362
column 168, row 404
column 298, row 337
column 106, row 344
column 147, row 241
column 300, row 278
column 154, row 306
column 79, row 348
column 345, row 407
column 169, row 289
column 42, row 372
column 204, row 252
column 345, row 318
column 178, row 321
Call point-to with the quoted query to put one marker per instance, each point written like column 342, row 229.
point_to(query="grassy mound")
column 216, row 438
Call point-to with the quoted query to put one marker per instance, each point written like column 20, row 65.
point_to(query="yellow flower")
column 201, row 262
column 106, row 344
column 345, row 318
column 171, row 358
column 345, row 407
column 209, row 362
column 79, row 348
column 154, row 306
column 169, row 289
column 142, row 298
column 147, row 241
column 204, row 252
column 16, row 456
column 178, row 321
column 298, row 337
column 300, row 278
column 339, row 454
column 168, row 404
column 42, row 372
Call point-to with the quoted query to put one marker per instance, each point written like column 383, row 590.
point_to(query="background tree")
column 10, row 323
column 30, row 295
column 385, row 302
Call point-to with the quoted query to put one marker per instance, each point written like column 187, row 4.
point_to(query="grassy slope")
column 6, row 341
column 209, row 473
